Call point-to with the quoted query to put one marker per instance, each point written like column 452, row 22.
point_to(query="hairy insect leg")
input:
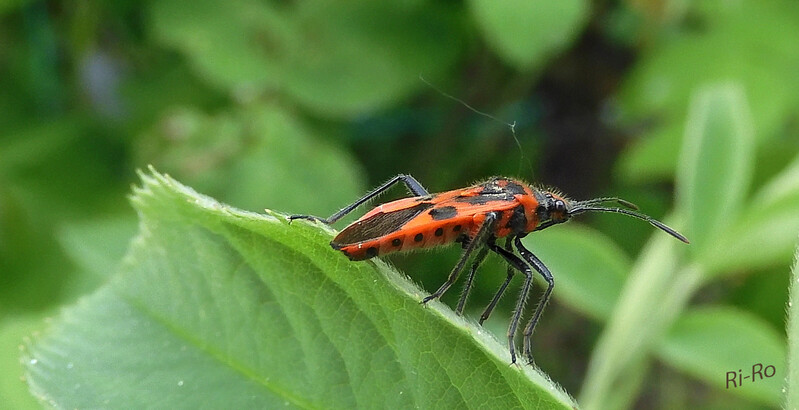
column 478, row 241
column 490, row 308
column 547, row 275
column 520, row 265
column 469, row 279
column 410, row 182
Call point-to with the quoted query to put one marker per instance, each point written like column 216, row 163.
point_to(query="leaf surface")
column 713, row 342
column 526, row 32
column 216, row 307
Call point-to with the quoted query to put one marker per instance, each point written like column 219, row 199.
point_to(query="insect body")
column 475, row 217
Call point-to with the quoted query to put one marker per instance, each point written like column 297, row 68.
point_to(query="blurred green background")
column 301, row 106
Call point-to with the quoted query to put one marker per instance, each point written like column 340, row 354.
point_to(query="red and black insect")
column 475, row 217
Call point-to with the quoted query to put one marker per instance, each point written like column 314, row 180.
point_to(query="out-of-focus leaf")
column 216, row 307
column 222, row 39
column 32, row 270
column 255, row 157
column 781, row 188
column 97, row 245
column 9, row 5
column 710, row 342
column 715, row 164
column 337, row 58
column 652, row 298
column 59, row 168
column 653, row 155
column 751, row 43
column 526, row 32
column 589, row 269
column 357, row 57
column 31, row 145
column 160, row 88
column 770, row 218
column 50, row 171
column 762, row 236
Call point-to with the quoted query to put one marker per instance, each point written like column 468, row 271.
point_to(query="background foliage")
column 688, row 109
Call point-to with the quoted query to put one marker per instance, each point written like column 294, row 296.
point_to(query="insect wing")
column 407, row 212
column 377, row 224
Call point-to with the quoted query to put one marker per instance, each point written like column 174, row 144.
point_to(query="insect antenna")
column 598, row 201
column 590, row 206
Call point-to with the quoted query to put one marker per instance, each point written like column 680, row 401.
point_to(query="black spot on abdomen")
column 442, row 213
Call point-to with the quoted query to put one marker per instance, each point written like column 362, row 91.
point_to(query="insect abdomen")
column 405, row 240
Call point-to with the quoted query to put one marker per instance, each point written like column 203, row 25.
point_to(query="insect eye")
column 560, row 206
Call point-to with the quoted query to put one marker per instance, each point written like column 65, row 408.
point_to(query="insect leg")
column 547, row 275
column 501, row 291
column 410, row 182
column 545, row 225
column 479, row 240
column 522, row 266
column 465, row 294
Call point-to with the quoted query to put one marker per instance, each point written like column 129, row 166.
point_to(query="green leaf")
column 589, row 268
column 710, row 342
column 97, row 245
column 716, row 162
column 763, row 236
column 339, row 59
column 8, row 6
column 792, row 329
column 14, row 392
column 771, row 218
column 220, row 308
column 653, row 156
column 33, row 144
column 361, row 56
column 251, row 155
column 652, row 298
column 527, row 32
column 782, row 187
column 219, row 39
column 751, row 43
column 50, row 172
